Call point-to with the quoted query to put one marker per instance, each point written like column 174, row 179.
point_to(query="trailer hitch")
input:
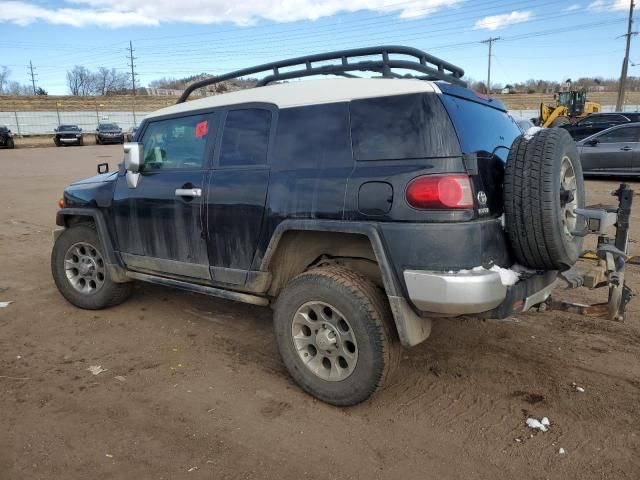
column 611, row 256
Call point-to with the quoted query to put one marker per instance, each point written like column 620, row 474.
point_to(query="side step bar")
column 203, row 289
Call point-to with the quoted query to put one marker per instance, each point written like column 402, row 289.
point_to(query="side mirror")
column 80, row 129
column 592, row 143
column 55, row 129
column 133, row 161
column 133, row 156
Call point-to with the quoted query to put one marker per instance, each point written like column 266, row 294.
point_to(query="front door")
column 237, row 192
column 160, row 224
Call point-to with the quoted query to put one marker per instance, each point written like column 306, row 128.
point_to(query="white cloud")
column 494, row 22
column 123, row 13
column 610, row 5
column 572, row 8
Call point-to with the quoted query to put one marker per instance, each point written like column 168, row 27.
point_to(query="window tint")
column 245, row 137
column 401, row 127
column 627, row 134
column 603, row 119
column 313, row 137
column 481, row 128
column 176, row 143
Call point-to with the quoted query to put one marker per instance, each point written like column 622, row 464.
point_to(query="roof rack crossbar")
column 431, row 68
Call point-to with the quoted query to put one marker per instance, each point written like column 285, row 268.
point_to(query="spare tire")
column 543, row 185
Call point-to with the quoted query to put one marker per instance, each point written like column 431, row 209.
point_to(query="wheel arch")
column 298, row 245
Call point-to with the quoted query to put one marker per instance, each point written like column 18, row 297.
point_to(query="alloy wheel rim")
column 84, row 268
column 324, row 341
column 568, row 196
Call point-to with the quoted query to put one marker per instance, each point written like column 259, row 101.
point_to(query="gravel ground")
column 194, row 387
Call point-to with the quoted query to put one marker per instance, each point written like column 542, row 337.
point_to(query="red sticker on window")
column 201, row 129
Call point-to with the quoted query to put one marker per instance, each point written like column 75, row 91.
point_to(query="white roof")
column 308, row 92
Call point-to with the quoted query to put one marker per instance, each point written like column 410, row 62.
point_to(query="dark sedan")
column 597, row 122
column 615, row 151
column 6, row 137
column 68, row 135
column 109, row 133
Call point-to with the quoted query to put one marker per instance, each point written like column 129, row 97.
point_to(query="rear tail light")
column 440, row 191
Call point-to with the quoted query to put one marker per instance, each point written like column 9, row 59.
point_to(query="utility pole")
column 625, row 62
column 132, row 65
column 33, row 77
column 489, row 42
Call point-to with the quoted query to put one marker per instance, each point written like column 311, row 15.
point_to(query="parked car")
column 596, row 122
column 109, row 133
column 6, row 137
column 358, row 208
column 131, row 134
column 68, row 135
column 614, row 151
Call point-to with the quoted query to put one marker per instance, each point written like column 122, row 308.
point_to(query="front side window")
column 245, row 138
column 620, row 135
column 176, row 142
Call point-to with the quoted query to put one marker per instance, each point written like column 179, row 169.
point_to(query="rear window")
column 481, row 128
column 401, row 127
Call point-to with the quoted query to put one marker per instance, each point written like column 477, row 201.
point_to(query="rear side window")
column 176, row 142
column 481, row 128
column 402, row 127
column 245, row 137
column 314, row 137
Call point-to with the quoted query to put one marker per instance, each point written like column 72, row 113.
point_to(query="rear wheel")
column 335, row 335
column 80, row 271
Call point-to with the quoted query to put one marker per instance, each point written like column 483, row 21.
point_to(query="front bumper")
column 110, row 139
column 476, row 292
column 70, row 140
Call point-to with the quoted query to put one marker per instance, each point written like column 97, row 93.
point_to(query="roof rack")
column 428, row 67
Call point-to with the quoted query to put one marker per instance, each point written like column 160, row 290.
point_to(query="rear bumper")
column 454, row 293
column 475, row 292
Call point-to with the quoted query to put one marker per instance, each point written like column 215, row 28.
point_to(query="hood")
column 101, row 178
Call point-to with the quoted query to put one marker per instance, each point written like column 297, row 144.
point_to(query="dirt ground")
column 194, row 387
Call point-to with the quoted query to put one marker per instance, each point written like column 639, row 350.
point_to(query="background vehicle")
column 131, row 134
column 598, row 122
column 109, row 133
column 570, row 106
column 68, row 135
column 6, row 137
column 359, row 208
column 614, row 151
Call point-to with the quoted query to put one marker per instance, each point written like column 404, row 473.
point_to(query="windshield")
column 68, row 127
column 108, row 126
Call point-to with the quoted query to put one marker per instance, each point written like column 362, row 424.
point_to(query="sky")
column 548, row 39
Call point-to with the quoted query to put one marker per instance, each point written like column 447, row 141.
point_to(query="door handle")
column 625, row 149
column 188, row 192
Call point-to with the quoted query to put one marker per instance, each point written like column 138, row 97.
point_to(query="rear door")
column 613, row 151
column 237, row 191
column 160, row 223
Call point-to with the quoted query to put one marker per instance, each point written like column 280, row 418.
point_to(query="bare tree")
column 16, row 88
column 4, row 78
column 108, row 81
column 80, row 81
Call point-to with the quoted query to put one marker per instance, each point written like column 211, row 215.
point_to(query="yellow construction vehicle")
column 570, row 107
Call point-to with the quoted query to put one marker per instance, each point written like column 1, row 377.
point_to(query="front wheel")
column 11, row 144
column 334, row 332
column 80, row 271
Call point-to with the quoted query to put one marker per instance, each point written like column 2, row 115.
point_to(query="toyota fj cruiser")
column 358, row 208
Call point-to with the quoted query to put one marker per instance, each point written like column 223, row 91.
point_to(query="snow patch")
column 531, row 132
column 542, row 425
column 508, row 277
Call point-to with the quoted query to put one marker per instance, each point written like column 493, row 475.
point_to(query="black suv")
column 68, row 135
column 109, row 133
column 6, row 137
column 597, row 122
column 358, row 208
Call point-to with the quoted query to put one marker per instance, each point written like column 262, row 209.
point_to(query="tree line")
column 83, row 82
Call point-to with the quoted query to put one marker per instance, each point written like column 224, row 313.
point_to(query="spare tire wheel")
column 543, row 185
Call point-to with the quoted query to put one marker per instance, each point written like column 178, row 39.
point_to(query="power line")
column 625, row 62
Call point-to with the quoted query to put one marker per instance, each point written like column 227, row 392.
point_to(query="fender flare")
column 411, row 327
